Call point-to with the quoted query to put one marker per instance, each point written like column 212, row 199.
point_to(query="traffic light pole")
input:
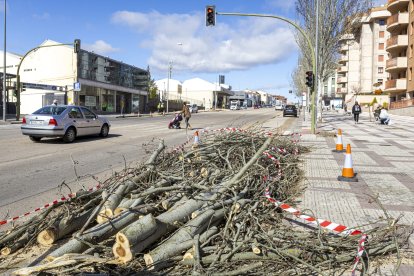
column 313, row 55
column 18, row 84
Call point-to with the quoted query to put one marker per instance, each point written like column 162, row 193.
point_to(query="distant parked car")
column 290, row 110
column 193, row 108
column 65, row 121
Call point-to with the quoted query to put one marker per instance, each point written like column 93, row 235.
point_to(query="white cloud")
column 100, row 47
column 244, row 44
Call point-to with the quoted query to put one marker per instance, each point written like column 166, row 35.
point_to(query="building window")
column 381, row 58
column 381, row 22
column 380, row 70
column 381, row 34
column 380, row 81
column 381, row 46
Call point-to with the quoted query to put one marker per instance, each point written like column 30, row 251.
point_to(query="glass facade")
column 97, row 68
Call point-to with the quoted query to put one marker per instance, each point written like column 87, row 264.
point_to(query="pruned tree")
column 336, row 18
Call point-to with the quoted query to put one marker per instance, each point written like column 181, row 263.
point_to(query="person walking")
column 356, row 110
column 187, row 115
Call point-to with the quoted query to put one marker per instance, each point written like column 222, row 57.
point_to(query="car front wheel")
column 104, row 131
column 70, row 135
column 35, row 139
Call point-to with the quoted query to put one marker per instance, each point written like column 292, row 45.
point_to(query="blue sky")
column 253, row 53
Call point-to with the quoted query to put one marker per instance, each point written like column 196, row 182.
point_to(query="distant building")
column 210, row 95
column 106, row 85
column 400, row 84
column 363, row 58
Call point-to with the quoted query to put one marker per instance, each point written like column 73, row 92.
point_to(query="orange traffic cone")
column 339, row 144
column 196, row 138
column 348, row 172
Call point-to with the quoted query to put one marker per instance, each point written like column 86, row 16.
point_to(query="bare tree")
column 336, row 18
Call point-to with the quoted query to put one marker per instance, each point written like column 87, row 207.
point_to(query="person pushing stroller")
column 175, row 122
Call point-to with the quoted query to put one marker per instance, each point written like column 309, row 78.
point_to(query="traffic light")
column 76, row 45
column 210, row 15
column 309, row 79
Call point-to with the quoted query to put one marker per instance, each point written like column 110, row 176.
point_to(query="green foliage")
column 374, row 101
column 385, row 105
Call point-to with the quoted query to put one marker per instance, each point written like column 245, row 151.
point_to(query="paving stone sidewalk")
column 383, row 158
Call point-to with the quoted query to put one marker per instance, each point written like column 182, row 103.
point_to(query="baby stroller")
column 175, row 123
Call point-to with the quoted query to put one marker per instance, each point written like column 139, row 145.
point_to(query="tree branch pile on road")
column 200, row 210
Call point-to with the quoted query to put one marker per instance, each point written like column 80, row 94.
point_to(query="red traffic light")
column 210, row 16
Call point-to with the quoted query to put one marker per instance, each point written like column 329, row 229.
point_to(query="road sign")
column 77, row 86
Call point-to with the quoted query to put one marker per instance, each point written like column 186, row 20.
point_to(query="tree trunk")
column 61, row 228
column 165, row 223
column 110, row 204
column 186, row 233
column 96, row 234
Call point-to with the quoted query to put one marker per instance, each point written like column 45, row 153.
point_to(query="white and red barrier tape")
column 54, row 202
column 360, row 251
column 340, row 229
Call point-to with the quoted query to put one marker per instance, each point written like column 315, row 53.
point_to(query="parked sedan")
column 290, row 110
column 65, row 121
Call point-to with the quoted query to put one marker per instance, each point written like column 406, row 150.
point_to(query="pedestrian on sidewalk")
column 356, row 110
column 187, row 115
column 384, row 117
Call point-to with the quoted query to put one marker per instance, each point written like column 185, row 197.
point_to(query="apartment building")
column 400, row 84
column 363, row 59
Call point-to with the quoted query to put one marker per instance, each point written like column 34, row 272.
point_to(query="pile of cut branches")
column 200, row 210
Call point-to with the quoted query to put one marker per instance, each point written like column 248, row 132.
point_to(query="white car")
column 193, row 108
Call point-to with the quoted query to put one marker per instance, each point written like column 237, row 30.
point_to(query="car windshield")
column 50, row 110
column 290, row 107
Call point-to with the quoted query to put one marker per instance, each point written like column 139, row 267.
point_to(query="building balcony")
column 347, row 37
column 397, row 5
column 396, row 42
column 341, row 90
column 396, row 64
column 342, row 69
column 396, row 85
column 343, row 59
column 344, row 48
column 402, row 104
column 342, row 80
column 397, row 21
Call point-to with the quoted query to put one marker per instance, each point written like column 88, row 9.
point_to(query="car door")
column 76, row 117
column 92, row 124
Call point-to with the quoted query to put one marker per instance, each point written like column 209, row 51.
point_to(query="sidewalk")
column 383, row 157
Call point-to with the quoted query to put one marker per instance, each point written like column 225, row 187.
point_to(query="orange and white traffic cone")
column 348, row 171
column 196, row 138
column 339, row 144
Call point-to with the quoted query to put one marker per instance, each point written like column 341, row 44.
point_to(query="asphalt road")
column 31, row 173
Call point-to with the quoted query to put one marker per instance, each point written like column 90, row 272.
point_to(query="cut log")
column 110, row 204
column 169, row 202
column 126, row 204
column 17, row 244
column 62, row 228
column 96, row 234
column 165, row 223
column 186, row 233
column 133, row 234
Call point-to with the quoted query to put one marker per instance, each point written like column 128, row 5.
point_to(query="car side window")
column 75, row 113
column 88, row 114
